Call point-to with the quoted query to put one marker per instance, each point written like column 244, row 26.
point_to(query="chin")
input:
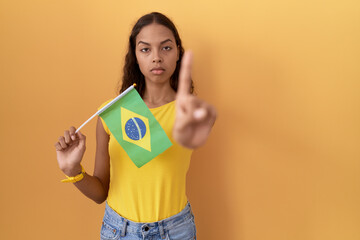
column 158, row 80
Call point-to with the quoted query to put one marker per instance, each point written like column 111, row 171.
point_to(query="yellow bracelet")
column 76, row 178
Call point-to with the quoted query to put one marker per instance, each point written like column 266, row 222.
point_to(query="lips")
column 157, row 70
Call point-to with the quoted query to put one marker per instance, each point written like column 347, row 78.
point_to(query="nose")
column 156, row 58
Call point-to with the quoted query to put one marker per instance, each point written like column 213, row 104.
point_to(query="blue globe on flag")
column 135, row 128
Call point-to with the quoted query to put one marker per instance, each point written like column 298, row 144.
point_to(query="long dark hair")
column 132, row 73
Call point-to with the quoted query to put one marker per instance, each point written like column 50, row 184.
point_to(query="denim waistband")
column 126, row 225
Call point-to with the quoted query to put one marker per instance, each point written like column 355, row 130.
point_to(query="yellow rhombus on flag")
column 135, row 126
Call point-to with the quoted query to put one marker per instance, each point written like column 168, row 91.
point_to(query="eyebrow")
column 167, row 40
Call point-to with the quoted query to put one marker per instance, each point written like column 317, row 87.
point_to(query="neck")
column 157, row 94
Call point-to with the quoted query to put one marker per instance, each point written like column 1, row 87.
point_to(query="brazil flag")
column 135, row 128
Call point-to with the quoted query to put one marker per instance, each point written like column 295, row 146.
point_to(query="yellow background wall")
column 283, row 160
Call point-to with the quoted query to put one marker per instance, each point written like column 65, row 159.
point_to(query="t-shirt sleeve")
column 102, row 120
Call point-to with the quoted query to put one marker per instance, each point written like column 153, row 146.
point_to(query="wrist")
column 72, row 170
column 75, row 178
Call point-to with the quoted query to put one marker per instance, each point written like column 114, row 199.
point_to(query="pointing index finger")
column 185, row 74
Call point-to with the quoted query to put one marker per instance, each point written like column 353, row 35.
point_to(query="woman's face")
column 156, row 53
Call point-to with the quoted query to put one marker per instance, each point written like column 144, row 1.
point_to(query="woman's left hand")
column 194, row 117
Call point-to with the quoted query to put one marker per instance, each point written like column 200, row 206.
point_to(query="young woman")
column 148, row 202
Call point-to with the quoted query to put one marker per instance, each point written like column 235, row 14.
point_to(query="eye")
column 145, row 50
column 167, row 48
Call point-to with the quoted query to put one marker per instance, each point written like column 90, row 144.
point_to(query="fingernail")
column 72, row 137
column 199, row 113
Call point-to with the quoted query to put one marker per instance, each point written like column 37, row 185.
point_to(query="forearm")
column 92, row 187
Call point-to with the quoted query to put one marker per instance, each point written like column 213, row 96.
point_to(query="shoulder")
column 103, row 104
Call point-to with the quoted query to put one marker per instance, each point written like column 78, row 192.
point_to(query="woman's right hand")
column 70, row 150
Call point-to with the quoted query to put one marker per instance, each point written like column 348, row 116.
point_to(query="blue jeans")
column 178, row 227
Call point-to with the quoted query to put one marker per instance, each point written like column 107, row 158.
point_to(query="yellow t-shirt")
column 156, row 190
